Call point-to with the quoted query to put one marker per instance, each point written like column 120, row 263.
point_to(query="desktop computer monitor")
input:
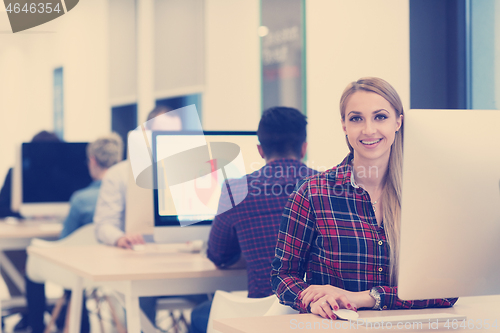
column 450, row 223
column 179, row 217
column 45, row 176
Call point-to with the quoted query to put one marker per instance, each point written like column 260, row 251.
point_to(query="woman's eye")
column 355, row 118
column 381, row 117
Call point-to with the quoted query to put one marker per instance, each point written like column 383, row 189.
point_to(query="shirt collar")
column 343, row 172
column 284, row 161
column 95, row 183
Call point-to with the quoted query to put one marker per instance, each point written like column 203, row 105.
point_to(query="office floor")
column 163, row 318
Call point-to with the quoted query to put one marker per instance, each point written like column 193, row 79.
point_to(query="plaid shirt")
column 329, row 232
column 252, row 226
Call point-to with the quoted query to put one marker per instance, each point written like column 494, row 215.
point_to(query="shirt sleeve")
column 223, row 245
column 109, row 214
column 390, row 301
column 73, row 220
column 292, row 249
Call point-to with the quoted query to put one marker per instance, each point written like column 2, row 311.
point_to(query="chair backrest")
column 278, row 309
column 85, row 235
column 39, row 270
column 228, row 305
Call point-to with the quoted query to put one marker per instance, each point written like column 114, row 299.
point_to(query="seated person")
column 101, row 154
column 110, row 211
column 341, row 227
column 17, row 257
column 248, row 232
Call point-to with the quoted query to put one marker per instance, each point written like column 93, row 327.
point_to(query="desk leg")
column 75, row 307
column 132, row 309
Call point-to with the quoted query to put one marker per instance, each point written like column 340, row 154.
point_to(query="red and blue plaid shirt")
column 330, row 233
column 252, row 226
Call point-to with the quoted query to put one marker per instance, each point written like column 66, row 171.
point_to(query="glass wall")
column 485, row 54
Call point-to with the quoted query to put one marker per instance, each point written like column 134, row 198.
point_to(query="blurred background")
column 106, row 63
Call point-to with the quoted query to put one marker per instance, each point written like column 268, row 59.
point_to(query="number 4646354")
column 32, row 8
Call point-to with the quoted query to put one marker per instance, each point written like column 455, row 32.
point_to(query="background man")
column 101, row 155
column 249, row 231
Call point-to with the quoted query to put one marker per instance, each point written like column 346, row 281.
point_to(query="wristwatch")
column 376, row 296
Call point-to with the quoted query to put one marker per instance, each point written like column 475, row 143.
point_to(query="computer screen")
column 450, row 223
column 190, row 170
column 49, row 173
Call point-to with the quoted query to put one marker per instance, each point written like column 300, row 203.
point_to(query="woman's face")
column 370, row 125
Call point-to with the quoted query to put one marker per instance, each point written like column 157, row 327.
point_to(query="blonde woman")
column 341, row 227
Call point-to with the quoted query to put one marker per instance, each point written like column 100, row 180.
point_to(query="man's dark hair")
column 282, row 131
column 158, row 110
column 45, row 137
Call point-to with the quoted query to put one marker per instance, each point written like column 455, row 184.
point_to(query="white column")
column 145, row 58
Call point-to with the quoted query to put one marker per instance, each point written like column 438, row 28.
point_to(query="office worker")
column 341, row 227
column 109, row 216
column 248, row 232
column 103, row 153
column 18, row 257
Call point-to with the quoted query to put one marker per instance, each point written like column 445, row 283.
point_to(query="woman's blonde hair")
column 107, row 150
column 391, row 194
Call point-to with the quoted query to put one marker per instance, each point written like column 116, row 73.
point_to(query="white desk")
column 135, row 275
column 17, row 235
column 477, row 309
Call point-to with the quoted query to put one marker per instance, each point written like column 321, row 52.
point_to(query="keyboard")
column 188, row 247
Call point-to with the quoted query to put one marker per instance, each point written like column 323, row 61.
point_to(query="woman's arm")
column 322, row 298
column 295, row 236
column 390, row 301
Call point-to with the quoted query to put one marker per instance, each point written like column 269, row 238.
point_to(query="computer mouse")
column 346, row 314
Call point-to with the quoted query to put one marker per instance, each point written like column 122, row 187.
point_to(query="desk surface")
column 477, row 310
column 108, row 263
column 29, row 229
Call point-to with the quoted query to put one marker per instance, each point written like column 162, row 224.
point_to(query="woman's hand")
column 323, row 308
column 128, row 240
column 327, row 296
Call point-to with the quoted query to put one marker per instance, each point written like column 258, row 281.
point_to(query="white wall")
column 347, row 40
column 25, row 87
column 122, row 52
column 179, row 47
column 78, row 42
column 231, row 100
column 497, row 54
column 83, row 47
